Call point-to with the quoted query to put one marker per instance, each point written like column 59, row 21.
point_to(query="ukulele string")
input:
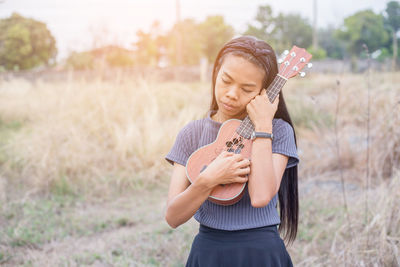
column 247, row 124
column 287, row 65
column 294, row 68
column 276, row 85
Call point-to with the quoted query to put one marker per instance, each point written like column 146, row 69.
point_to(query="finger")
column 238, row 157
column 239, row 179
column 243, row 171
column 243, row 163
column 226, row 153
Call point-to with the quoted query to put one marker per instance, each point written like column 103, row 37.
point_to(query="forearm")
column 184, row 206
column 262, row 182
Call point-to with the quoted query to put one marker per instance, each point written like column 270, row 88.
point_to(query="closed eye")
column 227, row 82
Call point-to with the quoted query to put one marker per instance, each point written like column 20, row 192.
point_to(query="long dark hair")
column 262, row 55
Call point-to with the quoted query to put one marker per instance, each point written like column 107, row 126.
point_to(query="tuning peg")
column 309, row 65
column 280, row 60
column 302, row 74
column 286, row 52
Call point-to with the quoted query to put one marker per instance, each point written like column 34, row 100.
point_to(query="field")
column 83, row 180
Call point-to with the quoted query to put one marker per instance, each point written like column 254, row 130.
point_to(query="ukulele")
column 235, row 135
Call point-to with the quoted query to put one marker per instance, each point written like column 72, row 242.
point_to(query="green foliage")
column 119, row 58
column 319, row 53
column 80, row 61
column 384, row 54
column 191, row 42
column 188, row 40
column 290, row 30
column 25, row 43
column 392, row 17
column 215, row 33
column 282, row 31
column 364, row 27
column 148, row 45
column 266, row 22
column 114, row 56
column 392, row 23
column 334, row 48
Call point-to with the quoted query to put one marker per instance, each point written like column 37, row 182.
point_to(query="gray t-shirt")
column 241, row 215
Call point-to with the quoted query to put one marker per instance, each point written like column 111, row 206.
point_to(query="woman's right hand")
column 227, row 168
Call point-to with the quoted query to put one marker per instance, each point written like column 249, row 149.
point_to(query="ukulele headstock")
column 294, row 61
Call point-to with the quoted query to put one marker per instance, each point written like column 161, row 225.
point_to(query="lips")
column 228, row 107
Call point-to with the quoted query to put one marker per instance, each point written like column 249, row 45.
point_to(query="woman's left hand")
column 261, row 111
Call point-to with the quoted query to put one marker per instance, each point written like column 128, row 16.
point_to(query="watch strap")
column 262, row 135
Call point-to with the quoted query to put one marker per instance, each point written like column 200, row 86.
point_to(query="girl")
column 243, row 234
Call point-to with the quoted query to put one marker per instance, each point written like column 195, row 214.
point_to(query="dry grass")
column 312, row 104
column 96, row 135
column 101, row 139
column 326, row 239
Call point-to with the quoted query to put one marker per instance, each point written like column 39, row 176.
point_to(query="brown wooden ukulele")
column 235, row 135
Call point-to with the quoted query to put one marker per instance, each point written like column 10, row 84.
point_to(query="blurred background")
column 93, row 94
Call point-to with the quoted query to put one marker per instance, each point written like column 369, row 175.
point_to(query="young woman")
column 245, row 233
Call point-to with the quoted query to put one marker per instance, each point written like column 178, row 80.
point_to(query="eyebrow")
column 244, row 84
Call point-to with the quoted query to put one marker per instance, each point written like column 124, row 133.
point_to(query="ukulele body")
column 227, row 194
column 228, row 136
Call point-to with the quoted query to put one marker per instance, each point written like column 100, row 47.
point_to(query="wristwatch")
column 255, row 134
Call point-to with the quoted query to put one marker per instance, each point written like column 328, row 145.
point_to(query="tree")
column 282, row 31
column 148, row 45
column 80, row 60
column 334, row 48
column 118, row 57
column 191, row 42
column 364, row 27
column 392, row 21
column 266, row 24
column 292, row 29
column 25, row 43
column 198, row 39
column 214, row 34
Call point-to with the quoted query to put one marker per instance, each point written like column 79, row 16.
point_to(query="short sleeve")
column 284, row 142
column 183, row 146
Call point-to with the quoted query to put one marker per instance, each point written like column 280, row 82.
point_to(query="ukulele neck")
column 246, row 127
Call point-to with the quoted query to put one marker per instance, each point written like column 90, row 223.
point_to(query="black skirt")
column 250, row 247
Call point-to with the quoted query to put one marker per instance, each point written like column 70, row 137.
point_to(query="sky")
column 77, row 23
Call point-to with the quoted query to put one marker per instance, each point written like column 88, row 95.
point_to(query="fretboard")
column 246, row 127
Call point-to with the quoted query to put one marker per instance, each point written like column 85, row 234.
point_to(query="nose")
column 232, row 93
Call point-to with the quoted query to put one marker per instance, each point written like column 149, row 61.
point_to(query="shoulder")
column 191, row 131
column 192, row 127
column 281, row 127
column 185, row 143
